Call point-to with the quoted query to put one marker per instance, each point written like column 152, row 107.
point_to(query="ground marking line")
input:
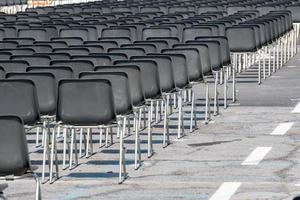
column 225, row 191
column 256, row 156
column 296, row 109
column 282, row 128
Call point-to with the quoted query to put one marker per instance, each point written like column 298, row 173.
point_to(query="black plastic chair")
column 77, row 66
column 15, row 163
column 76, row 109
column 151, row 88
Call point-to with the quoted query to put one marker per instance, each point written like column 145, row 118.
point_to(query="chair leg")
column 207, row 104
column 80, row 142
column 259, row 69
column 233, row 78
column 157, row 112
column 37, row 136
column 180, row 130
column 225, row 87
column 166, row 121
column 101, row 134
column 64, row 147
column 122, row 162
column 216, row 98
column 53, row 141
column 46, row 152
column 274, row 59
column 137, row 149
column 71, row 149
column 38, row 193
column 193, row 112
column 150, row 145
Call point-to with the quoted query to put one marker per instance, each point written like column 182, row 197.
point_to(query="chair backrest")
column 85, row 102
column 36, row 33
column 105, row 44
column 190, row 33
column 8, row 44
column 92, row 48
column 225, row 51
column 112, row 56
column 20, row 51
column 170, row 40
column 98, row 60
column 128, row 51
column 76, row 65
column 10, row 104
column 165, row 70
column 72, row 51
column 241, row 39
column 53, row 44
column 38, row 48
column 33, row 60
column 159, row 44
column 5, row 55
column 14, row 65
column 60, row 72
column 13, row 147
column 135, row 80
column 74, row 32
column 179, row 67
column 55, row 55
column 204, row 52
column 45, row 84
column 118, row 40
column 69, row 40
column 20, row 40
column 156, row 32
column 116, row 32
column 92, row 33
column 148, row 48
column 149, row 73
column 295, row 9
column 120, row 88
column 193, row 62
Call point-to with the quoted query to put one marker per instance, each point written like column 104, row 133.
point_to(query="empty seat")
column 105, row 44
column 148, row 48
column 98, row 60
column 156, row 32
column 38, row 48
column 33, row 60
column 72, row 51
column 76, row 65
column 60, row 72
column 5, row 55
column 14, row 65
column 36, row 33
column 128, row 51
column 46, row 90
column 10, row 104
column 91, row 48
column 14, row 152
column 116, row 32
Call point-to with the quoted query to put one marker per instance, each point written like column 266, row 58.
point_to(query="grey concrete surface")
column 195, row 166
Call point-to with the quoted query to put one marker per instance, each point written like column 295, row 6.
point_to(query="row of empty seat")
column 116, row 68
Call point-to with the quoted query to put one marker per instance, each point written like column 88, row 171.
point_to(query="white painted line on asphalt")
column 296, row 109
column 298, row 184
column 282, row 128
column 225, row 191
column 256, row 156
column 291, row 66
